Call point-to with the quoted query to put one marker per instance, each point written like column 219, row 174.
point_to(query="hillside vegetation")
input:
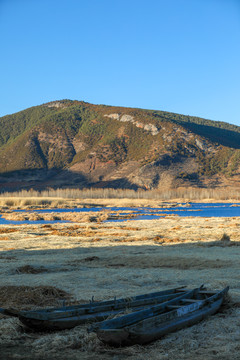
column 76, row 144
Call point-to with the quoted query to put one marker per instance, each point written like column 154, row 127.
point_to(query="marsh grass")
column 7, row 230
column 67, row 216
column 152, row 262
column 56, row 197
column 4, row 238
column 29, row 269
column 225, row 238
column 12, row 200
column 105, row 267
column 31, row 296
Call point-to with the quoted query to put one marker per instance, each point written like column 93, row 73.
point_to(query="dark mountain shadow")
column 166, row 160
column 43, row 179
column 217, row 135
column 121, row 183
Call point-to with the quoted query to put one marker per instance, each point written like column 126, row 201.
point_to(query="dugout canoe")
column 148, row 325
column 70, row 316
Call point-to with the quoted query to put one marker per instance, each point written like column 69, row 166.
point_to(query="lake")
column 145, row 213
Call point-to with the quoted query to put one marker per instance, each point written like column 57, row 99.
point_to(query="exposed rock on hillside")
column 128, row 118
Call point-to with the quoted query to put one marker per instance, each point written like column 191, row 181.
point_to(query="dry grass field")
column 41, row 265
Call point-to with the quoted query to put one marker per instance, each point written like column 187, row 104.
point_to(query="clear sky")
column 181, row 56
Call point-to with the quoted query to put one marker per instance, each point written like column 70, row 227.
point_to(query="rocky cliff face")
column 70, row 143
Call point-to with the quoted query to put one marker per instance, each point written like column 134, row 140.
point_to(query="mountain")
column 76, row 144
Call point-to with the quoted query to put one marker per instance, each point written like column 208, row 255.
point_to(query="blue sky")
column 181, row 56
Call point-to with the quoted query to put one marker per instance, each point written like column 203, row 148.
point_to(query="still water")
column 143, row 213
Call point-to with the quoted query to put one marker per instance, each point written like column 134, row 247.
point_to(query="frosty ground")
column 91, row 257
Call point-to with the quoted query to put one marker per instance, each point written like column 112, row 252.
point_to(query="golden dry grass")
column 193, row 193
column 119, row 259
column 4, row 238
column 71, row 216
column 7, row 230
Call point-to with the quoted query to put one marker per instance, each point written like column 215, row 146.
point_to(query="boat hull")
column 135, row 335
column 41, row 321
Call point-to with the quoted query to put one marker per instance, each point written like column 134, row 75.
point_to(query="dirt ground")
column 107, row 259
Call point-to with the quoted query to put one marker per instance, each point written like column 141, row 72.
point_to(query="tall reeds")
column 107, row 193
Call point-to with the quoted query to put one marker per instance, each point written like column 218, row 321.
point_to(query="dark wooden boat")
column 71, row 316
column 151, row 324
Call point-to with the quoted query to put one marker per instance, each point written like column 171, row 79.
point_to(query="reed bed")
column 29, row 197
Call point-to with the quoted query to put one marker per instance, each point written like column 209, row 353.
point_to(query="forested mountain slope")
column 76, row 144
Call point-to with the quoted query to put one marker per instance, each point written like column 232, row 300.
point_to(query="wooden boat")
column 71, row 316
column 151, row 324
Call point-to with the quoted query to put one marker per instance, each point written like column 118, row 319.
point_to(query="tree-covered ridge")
column 71, row 113
column 12, row 126
column 217, row 131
